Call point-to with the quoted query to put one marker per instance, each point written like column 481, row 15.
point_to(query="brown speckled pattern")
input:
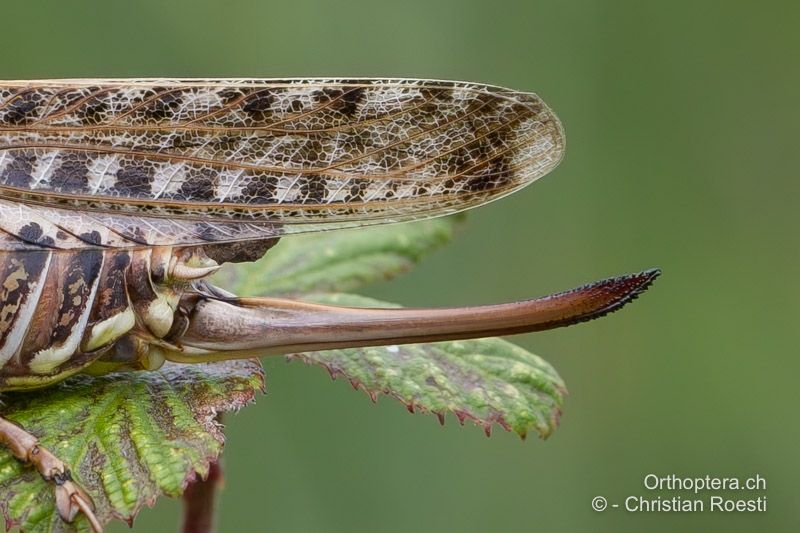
column 193, row 161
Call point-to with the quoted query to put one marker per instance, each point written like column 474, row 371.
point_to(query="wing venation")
column 234, row 159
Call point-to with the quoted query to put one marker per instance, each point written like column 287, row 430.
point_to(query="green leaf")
column 341, row 260
column 127, row 437
column 489, row 381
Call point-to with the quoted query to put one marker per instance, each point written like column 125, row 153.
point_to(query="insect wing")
column 158, row 162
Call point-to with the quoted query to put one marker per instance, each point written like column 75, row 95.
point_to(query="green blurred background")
column 683, row 121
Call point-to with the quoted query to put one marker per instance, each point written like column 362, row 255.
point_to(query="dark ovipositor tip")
column 645, row 280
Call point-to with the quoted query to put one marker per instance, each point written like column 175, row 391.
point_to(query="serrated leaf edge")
column 461, row 416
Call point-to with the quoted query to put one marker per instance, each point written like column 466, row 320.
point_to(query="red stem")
column 199, row 502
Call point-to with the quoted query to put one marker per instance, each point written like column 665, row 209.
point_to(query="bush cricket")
column 118, row 198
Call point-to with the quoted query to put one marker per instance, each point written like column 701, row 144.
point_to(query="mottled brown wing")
column 151, row 162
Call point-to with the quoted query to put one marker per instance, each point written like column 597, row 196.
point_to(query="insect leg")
column 70, row 498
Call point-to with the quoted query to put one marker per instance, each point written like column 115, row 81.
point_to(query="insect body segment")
column 62, row 310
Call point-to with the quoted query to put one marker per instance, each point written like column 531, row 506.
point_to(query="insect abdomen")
column 64, row 309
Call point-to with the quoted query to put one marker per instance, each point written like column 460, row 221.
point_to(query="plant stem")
column 199, row 502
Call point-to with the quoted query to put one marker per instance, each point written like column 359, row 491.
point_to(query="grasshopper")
column 118, row 198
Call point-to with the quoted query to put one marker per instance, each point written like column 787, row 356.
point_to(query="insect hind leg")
column 70, row 498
